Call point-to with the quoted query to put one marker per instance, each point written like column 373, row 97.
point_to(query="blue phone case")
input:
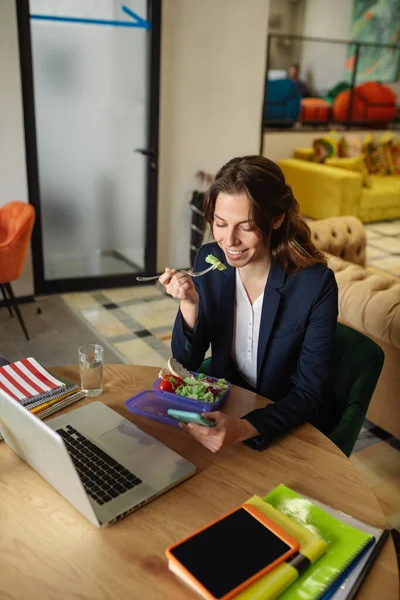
column 189, row 417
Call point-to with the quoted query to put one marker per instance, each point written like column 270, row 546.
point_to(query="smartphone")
column 231, row 553
column 185, row 416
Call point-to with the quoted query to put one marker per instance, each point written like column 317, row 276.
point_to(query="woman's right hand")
column 179, row 285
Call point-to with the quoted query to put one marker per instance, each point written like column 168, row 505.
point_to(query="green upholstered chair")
column 358, row 362
column 205, row 366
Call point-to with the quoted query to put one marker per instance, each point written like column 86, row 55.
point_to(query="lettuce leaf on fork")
column 212, row 260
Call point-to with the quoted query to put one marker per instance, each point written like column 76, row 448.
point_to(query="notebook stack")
column 27, row 382
column 335, row 552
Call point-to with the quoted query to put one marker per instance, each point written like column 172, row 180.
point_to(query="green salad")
column 212, row 260
column 202, row 388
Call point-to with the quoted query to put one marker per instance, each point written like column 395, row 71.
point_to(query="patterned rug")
column 137, row 324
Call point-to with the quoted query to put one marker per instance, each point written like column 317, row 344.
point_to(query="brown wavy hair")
column 270, row 197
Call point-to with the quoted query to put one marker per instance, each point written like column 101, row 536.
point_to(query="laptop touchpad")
column 161, row 466
column 125, row 439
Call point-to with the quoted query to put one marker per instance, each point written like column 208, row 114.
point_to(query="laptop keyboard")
column 102, row 476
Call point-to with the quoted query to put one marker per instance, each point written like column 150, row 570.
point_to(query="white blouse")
column 245, row 332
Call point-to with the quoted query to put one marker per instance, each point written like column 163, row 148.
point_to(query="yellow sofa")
column 324, row 191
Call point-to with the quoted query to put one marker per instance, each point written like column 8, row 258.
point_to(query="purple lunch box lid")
column 154, row 406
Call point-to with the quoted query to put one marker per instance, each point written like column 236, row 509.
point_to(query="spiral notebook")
column 346, row 543
column 26, row 381
column 60, row 405
column 67, row 391
column 346, row 587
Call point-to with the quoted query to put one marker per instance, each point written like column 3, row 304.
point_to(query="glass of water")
column 91, row 358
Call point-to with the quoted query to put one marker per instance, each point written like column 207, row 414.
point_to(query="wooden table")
column 48, row 550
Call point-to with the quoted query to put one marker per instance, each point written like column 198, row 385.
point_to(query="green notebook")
column 345, row 543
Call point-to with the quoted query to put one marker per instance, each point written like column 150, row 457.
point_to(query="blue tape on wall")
column 138, row 21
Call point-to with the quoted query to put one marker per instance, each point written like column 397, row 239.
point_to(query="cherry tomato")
column 170, row 383
column 166, row 386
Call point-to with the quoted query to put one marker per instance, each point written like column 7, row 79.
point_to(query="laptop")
column 100, row 462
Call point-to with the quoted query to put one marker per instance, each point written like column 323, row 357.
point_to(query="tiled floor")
column 137, row 323
column 377, row 456
column 383, row 246
column 55, row 334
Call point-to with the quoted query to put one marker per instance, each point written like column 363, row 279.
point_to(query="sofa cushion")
column 394, row 157
column 375, row 155
column 349, row 147
column 382, row 197
column 304, row 153
column 341, row 236
column 353, row 163
column 325, row 147
column 370, row 302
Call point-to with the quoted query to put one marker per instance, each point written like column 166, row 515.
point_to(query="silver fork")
column 198, row 274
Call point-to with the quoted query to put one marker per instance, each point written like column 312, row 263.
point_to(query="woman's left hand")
column 227, row 431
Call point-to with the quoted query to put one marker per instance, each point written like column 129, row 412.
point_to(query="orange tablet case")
column 278, row 531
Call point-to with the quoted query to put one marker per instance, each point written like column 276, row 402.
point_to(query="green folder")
column 345, row 543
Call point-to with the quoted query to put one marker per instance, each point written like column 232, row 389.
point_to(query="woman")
column 270, row 316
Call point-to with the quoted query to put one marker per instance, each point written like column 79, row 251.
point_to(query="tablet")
column 226, row 556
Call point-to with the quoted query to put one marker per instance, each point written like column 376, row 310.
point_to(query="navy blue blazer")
column 295, row 347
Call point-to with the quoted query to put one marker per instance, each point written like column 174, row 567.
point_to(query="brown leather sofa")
column 369, row 300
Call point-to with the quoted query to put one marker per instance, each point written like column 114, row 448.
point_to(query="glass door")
column 95, row 70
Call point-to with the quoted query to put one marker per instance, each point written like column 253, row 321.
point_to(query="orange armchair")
column 16, row 224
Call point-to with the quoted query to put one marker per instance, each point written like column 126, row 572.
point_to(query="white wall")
column 327, row 19
column 212, row 78
column 13, row 179
column 323, row 64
